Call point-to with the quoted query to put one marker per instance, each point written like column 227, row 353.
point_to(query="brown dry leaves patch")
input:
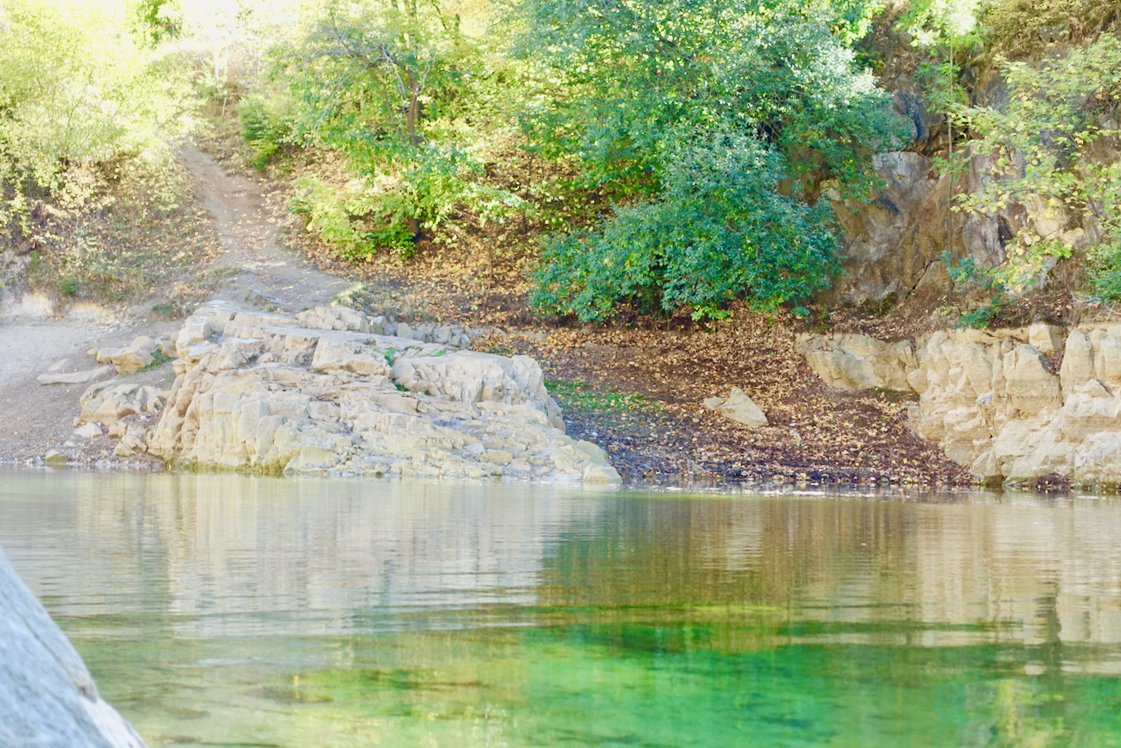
column 816, row 435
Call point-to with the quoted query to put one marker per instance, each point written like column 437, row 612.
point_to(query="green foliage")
column 1023, row 26
column 1047, row 147
column 266, row 125
column 332, row 214
column 714, row 120
column 79, row 94
column 719, row 228
column 584, row 396
column 942, row 23
column 385, row 85
column 971, row 280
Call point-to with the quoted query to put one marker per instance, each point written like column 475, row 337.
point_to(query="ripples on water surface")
column 220, row 610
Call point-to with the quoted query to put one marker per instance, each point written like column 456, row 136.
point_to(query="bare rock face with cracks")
column 999, row 401
column 338, row 391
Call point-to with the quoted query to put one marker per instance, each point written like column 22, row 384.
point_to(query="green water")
column 219, row 610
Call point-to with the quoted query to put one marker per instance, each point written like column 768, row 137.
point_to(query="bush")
column 265, row 125
column 724, row 117
column 721, row 229
column 1050, row 146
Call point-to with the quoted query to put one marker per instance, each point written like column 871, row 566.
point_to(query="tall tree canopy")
column 704, row 107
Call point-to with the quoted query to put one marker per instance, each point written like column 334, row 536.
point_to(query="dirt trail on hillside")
column 38, row 418
column 249, row 229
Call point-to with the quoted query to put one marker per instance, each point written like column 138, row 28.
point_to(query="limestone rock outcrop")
column 856, row 362
column 266, row 393
column 997, row 400
column 47, row 696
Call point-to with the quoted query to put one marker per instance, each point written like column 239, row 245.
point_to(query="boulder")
column 738, row 407
column 47, row 696
column 856, row 362
column 138, row 354
column 108, row 402
column 55, row 458
column 89, row 431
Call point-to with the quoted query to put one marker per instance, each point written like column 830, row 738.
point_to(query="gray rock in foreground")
column 47, row 697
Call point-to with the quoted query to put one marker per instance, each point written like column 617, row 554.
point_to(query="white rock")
column 738, row 407
column 77, row 377
column 321, row 400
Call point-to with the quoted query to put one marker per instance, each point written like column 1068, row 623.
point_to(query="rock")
column 166, row 347
column 1078, row 361
column 856, row 362
column 1107, row 355
column 358, row 356
column 89, row 431
column 77, row 377
column 1045, row 338
column 347, row 402
column 258, row 298
column 47, row 696
column 136, row 355
column 990, row 402
column 473, row 377
column 56, row 458
column 1031, row 388
column 108, row 402
column 738, row 407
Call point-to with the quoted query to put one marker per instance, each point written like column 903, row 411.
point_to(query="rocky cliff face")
column 1005, row 402
column 892, row 247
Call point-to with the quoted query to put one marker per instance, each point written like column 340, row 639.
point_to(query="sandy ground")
column 39, row 418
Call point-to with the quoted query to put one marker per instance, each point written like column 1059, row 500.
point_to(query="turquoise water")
column 220, row 610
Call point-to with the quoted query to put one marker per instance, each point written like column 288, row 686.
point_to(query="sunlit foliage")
column 384, row 84
column 1052, row 143
column 79, row 91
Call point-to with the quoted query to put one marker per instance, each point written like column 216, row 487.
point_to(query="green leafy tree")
column 79, row 92
column 721, row 120
column 1052, row 146
column 376, row 81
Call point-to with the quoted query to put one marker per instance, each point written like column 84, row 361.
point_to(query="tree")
column 722, row 119
column 78, row 91
column 1053, row 147
column 372, row 78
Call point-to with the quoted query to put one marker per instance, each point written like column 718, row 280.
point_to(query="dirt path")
column 38, row 418
column 248, row 227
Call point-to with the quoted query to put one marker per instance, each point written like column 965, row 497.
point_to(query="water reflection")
column 220, row 607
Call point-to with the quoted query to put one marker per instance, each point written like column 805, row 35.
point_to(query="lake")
column 230, row 611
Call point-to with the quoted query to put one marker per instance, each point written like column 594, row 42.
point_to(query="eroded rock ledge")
column 328, row 391
column 1015, row 405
